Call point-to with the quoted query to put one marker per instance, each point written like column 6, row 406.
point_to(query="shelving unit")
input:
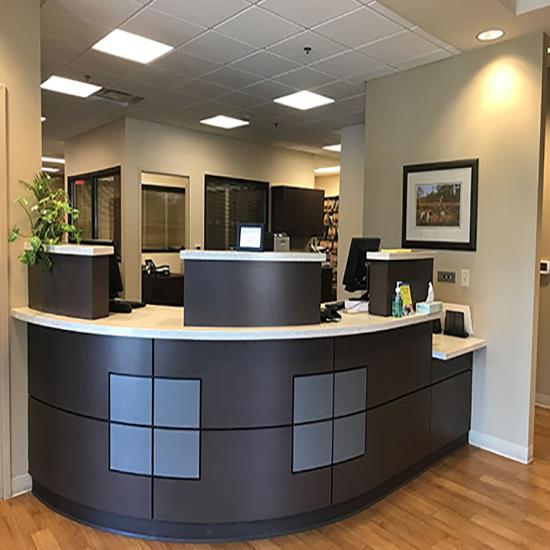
column 330, row 238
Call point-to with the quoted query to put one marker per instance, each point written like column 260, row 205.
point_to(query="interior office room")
column 203, row 334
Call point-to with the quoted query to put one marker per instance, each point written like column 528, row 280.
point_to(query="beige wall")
column 487, row 104
column 352, row 190
column 543, row 358
column 149, row 147
column 20, row 74
column 329, row 184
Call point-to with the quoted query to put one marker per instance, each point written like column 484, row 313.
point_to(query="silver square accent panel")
column 177, row 403
column 349, row 437
column 312, row 446
column 350, row 392
column 313, row 398
column 130, row 449
column 177, row 454
column 131, row 399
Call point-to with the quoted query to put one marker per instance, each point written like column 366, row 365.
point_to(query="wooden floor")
column 473, row 500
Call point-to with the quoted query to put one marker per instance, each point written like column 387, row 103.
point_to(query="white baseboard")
column 21, row 485
column 501, row 447
column 542, row 400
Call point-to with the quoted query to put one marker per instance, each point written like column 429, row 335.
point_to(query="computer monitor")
column 356, row 276
column 115, row 279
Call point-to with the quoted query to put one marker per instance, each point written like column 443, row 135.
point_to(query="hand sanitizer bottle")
column 397, row 304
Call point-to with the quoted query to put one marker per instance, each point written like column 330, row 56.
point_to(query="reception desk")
column 141, row 425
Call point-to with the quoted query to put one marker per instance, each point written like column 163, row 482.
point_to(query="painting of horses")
column 438, row 205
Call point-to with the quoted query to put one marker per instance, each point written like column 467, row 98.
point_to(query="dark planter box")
column 76, row 286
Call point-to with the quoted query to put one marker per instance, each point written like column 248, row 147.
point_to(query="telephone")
column 151, row 269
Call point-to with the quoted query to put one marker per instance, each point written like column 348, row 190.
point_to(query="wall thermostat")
column 545, row 267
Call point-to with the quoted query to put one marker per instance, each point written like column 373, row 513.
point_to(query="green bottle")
column 397, row 304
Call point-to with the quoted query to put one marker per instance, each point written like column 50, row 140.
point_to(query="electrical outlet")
column 446, row 277
column 465, row 278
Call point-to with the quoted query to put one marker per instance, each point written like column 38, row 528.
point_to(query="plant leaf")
column 14, row 234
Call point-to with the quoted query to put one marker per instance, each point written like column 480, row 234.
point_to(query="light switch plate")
column 465, row 278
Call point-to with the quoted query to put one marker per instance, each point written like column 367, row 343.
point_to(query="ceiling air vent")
column 119, row 98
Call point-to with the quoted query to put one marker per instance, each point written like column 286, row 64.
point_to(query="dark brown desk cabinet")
column 162, row 290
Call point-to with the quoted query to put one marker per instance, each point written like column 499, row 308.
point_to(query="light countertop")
column 78, row 249
column 238, row 256
column 399, row 256
column 448, row 347
column 163, row 322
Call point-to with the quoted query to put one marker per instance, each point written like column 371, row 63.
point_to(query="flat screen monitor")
column 356, row 276
column 115, row 279
column 250, row 236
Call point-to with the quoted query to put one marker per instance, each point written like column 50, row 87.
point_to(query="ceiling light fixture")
column 53, row 160
column 49, row 169
column 333, row 148
column 490, row 35
column 42, row 119
column 131, row 46
column 70, row 87
column 304, row 100
column 327, row 171
column 225, row 122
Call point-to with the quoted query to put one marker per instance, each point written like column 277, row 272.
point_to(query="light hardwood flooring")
column 472, row 500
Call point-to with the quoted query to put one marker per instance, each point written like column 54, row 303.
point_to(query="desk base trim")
column 230, row 532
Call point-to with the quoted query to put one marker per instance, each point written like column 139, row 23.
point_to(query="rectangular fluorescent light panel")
column 49, row 169
column 53, row 160
column 329, row 170
column 334, row 148
column 226, row 122
column 70, row 87
column 131, row 46
column 304, row 100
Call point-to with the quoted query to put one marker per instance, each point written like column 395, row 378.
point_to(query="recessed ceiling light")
column 335, row 148
column 70, row 87
column 42, row 119
column 49, row 169
column 53, row 160
column 226, row 122
column 304, row 100
column 328, row 170
column 131, row 46
column 490, row 35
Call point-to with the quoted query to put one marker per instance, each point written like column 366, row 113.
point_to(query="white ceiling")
column 231, row 57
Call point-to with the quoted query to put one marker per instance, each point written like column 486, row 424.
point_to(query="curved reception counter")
column 141, row 425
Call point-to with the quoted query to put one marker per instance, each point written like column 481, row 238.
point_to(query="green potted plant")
column 47, row 219
column 65, row 279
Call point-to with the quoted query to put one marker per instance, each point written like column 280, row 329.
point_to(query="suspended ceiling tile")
column 164, row 28
column 203, row 89
column 399, row 47
column 202, row 12
column 305, row 78
column 186, row 64
column 308, row 12
column 340, row 89
column 217, row 47
column 240, row 100
column 293, row 48
column 258, row 27
column 108, row 64
column 109, row 13
column 377, row 73
column 231, row 77
column 158, row 77
column 390, row 14
column 269, row 90
column 347, row 64
column 358, row 27
column 57, row 50
column 265, row 64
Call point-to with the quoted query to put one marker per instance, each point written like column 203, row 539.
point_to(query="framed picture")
column 440, row 205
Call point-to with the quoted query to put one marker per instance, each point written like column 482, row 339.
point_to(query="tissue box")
column 434, row 307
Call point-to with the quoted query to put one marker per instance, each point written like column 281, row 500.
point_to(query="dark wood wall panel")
column 244, row 384
column 398, row 361
column 70, row 371
column 451, row 410
column 398, row 436
column 251, row 294
column 69, row 455
column 245, row 476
